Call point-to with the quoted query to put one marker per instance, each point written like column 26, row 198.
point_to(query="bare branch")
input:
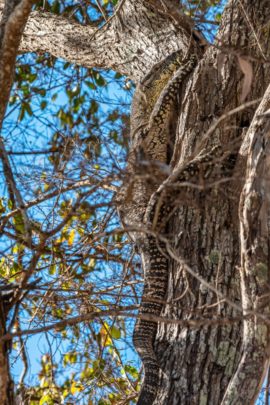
column 196, row 323
column 14, row 192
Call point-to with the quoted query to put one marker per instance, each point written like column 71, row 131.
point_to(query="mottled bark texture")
column 218, row 364
column 130, row 43
column 201, row 366
column 14, row 18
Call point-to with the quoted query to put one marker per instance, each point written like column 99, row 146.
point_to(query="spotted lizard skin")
column 148, row 156
column 150, row 119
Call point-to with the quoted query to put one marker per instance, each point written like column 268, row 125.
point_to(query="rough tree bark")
column 212, row 364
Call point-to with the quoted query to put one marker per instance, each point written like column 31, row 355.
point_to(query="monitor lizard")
column 148, row 198
column 147, row 168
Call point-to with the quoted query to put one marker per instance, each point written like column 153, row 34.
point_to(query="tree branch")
column 121, row 311
column 130, row 42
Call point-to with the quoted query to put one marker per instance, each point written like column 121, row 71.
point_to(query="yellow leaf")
column 75, row 387
column 105, row 338
column 71, row 237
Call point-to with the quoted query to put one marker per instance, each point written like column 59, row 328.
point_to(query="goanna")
column 150, row 126
column 150, row 122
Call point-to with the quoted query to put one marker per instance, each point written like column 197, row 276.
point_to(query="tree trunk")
column 198, row 363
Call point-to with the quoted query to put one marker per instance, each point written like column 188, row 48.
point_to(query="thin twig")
column 252, row 29
column 228, row 114
column 101, row 9
column 23, row 357
column 13, row 190
column 267, row 388
column 118, row 8
column 188, row 323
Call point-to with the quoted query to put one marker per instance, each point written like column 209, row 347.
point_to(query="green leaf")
column 28, row 109
column 2, row 206
column 100, row 81
column 52, row 269
column 70, row 358
column 131, row 370
column 19, row 223
column 91, row 85
column 115, row 332
column 43, row 105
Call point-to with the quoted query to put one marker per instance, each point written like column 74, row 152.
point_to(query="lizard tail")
column 156, row 277
column 143, row 339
